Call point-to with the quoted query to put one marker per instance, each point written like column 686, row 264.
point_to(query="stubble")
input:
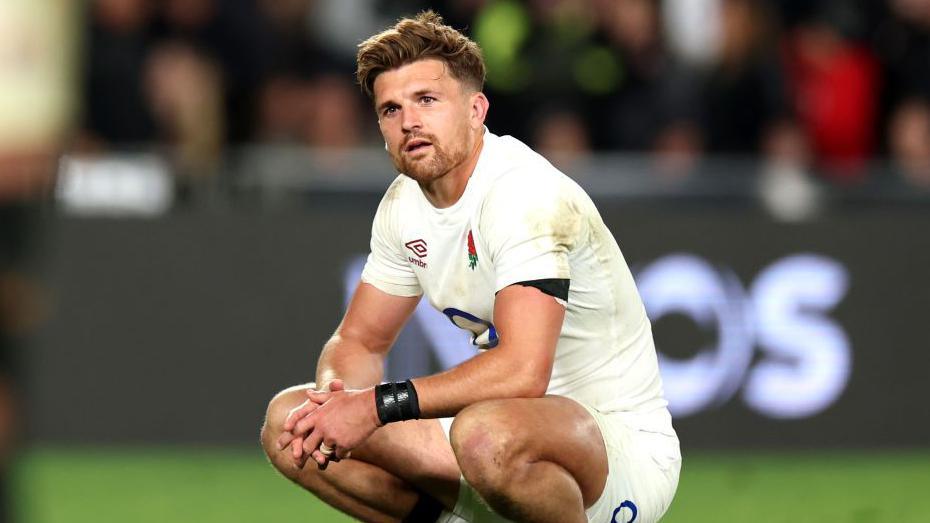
column 434, row 166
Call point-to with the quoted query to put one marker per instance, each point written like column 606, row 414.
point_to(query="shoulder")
column 525, row 178
column 529, row 194
column 390, row 213
column 398, row 190
column 395, row 196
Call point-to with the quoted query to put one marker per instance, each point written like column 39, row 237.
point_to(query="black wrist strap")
column 396, row 401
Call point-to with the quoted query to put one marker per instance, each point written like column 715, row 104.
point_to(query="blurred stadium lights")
column 118, row 185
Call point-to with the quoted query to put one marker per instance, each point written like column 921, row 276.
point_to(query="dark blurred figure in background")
column 116, row 111
column 309, row 98
column 651, row 107
column 180, row 74
column 291, row 47
column 322, row 112
column 909, row 142
column 36, row 105
column 232, row 35
column 542, row 54
column 561, row 136
column 123, row 33
column 335, row 115
column 18, row 298
column 185, row 94
column 903, row 43
column 744, row 100
column 835, row 84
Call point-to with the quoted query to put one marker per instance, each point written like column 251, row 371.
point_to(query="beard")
column 431, row 166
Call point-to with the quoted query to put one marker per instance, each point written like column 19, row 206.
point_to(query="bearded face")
column 424, row 116
column 424, row 157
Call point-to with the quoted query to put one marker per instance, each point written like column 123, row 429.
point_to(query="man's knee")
column 275, row 415
column 489, row 445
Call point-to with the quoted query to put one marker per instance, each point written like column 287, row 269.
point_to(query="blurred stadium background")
column 186, row 188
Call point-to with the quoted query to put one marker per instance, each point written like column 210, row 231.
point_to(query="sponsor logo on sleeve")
column 417, row 247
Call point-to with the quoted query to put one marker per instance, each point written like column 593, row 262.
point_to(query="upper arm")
column 530, row 229
column 389, row 290
column 530, row 226
column 528, row 325
column 387, row 267
column 374, row 318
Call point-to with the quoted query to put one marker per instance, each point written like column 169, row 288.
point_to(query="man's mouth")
column 416, row 144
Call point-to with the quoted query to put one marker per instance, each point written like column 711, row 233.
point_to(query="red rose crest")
column 472, row 253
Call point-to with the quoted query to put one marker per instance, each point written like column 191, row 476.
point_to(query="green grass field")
column 67, row 485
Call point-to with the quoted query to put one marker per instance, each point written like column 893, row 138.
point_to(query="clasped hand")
column 338, row 418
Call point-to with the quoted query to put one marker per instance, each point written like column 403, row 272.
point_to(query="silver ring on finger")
column 326, row 450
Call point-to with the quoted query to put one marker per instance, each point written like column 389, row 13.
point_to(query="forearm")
column 494, row 374
column 528, row 326
column 356, row 351
column 351, row 361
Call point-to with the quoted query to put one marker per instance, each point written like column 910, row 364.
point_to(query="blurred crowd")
column 835, row 86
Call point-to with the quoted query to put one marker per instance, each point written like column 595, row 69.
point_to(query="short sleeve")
column 530, row 227
column 386, row 268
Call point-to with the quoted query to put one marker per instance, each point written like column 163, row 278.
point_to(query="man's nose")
column 411, row 118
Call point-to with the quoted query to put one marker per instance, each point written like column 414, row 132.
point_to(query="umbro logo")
column 417, row 247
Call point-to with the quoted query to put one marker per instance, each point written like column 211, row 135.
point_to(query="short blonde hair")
column 412, row 39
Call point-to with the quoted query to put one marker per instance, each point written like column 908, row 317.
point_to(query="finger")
column 292, row 416
column 322, row 454
column 301, row 461
column 297, row 449
column 284, row 440
column 318, row 397
column 312, row 443
column 321, row 459
column 305, row 425
column 337, row 385
column 299, row 413
column 293, row 428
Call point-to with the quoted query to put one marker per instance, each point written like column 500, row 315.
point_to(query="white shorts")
column 644, row 462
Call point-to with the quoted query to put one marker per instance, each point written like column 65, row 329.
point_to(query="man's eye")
column 427, row 99
column 390, row 110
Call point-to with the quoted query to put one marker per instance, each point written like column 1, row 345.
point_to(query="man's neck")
column 447, row 190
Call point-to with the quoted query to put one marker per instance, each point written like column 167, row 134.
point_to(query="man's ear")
column 479, row 109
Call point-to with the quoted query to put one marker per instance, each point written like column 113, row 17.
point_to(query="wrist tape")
column 396, row 401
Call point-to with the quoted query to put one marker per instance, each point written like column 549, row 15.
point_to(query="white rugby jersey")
column 521, row 219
